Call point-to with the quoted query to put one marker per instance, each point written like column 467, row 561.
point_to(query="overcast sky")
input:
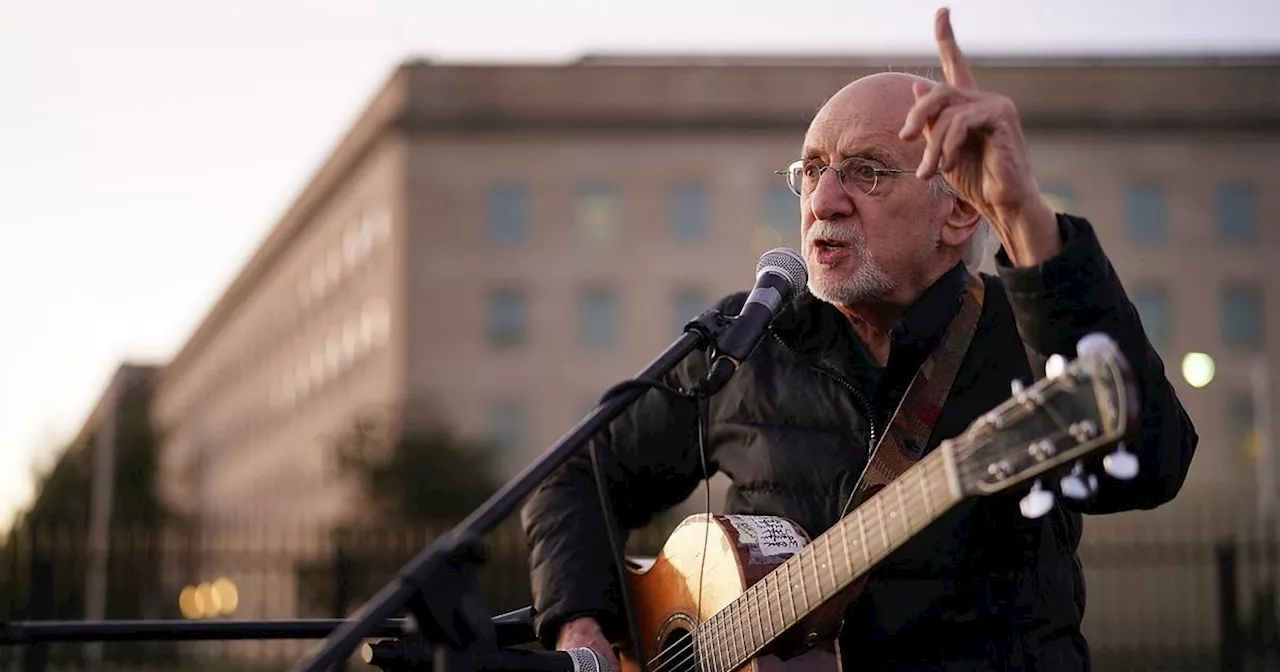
column 147, row 147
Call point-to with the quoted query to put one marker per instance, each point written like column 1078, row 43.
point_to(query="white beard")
column 869, row 281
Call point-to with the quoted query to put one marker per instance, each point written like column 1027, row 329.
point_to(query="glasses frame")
column 841, row 170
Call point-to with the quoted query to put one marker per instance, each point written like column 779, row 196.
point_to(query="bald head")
column 877, row 103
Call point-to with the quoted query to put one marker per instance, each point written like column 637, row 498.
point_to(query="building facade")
column 497, row 246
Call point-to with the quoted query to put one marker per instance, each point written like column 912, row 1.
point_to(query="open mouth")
column 829, row 244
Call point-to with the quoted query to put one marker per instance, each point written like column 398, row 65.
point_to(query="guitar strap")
column 907, row 435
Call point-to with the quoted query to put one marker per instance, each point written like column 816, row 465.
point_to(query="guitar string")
column 718, row 628
column 872, row 525
column 721, row 624
column 718, row 624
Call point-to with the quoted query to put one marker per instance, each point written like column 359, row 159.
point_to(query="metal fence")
column 1192, row 604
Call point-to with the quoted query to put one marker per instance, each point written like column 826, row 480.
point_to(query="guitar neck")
column 833, row 561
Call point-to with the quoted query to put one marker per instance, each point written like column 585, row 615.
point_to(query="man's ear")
column 961, row 223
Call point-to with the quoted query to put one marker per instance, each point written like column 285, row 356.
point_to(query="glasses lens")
column 795, row 177
column 860, row 175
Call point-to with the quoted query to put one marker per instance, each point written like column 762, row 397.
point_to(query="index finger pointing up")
column 954, row 64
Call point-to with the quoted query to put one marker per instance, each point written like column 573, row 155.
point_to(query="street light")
column 1198, row 369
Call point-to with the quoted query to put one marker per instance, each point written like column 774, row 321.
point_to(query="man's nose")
column 829, row 200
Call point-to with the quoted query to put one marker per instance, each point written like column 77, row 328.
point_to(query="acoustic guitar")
column 731, row 592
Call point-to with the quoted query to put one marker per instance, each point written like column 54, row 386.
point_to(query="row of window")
column 598, row 315
column 1146, row 211
column 344, row 256
column 260, row 335
column 598, row 219
column 1240, row 316
column 345, row 344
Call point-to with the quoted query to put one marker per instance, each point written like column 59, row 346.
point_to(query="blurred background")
column 290, row 287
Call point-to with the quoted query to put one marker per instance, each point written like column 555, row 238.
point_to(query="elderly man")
column 898, row 181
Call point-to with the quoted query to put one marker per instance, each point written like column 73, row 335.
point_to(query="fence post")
column 341, row 579
column 1231, row 637
column 341, row 584
column 39, row 595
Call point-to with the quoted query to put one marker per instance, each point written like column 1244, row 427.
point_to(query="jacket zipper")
column 861, row 398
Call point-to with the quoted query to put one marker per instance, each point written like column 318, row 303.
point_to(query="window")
column 686, row 305
column 1237, row 218
column 376, row 226
column 1242, row 437
column 1061, row 197
column 782, row 220
column 351, row 344
column 507, row 317
column 596, row 214
column 508, row 427
column 507, row 213
column 597, row 318
column 687, row 213
column 1156, row 314
column 1145, row 217
column 1242, row 316
column 375, row 323
column 354, row 245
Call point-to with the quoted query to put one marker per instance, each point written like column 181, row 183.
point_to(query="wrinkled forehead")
column 864, row 119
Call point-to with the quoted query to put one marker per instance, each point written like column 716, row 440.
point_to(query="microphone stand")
column 437, row 585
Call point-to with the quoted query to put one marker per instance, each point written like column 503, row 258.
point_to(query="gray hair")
column 982, row 243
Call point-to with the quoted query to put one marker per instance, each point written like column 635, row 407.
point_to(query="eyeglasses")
column 857, row 174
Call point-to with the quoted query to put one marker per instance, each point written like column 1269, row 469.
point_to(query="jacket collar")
column 817, row 330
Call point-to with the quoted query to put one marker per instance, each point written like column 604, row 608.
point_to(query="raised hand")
column 974, row 138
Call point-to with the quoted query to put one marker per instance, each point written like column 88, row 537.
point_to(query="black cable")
column 619, row 559
column 706, row 325
column 606, row 504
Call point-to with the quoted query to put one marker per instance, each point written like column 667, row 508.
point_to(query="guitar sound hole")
column 676, row 640
column 675, row 644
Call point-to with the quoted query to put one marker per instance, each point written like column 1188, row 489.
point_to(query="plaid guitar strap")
column 908, row 433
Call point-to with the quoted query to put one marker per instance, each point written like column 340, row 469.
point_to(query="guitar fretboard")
column 830, row 563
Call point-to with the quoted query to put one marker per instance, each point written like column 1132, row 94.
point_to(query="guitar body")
column 685, row 586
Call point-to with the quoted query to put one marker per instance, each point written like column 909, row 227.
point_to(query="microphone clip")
column 708, row 326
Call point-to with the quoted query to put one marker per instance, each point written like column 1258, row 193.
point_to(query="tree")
column 46, row 553
column 417, row 480
column 425, row 474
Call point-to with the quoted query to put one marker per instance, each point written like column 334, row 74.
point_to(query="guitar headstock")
column 1043, row 431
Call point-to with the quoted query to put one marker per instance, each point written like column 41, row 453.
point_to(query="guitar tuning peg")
column 1095, row 342
column 1055, row 366
column 1122, row 464
column 1078, row 485
column 1037, row 502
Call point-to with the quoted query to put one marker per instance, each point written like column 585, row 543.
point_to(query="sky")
column 147, row 147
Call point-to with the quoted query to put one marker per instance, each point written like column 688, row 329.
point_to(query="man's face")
column 863, row 246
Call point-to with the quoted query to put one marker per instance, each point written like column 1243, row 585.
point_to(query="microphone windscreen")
column 789, row 263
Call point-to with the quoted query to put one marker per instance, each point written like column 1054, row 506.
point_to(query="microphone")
column 403, row 655
column 780, row 276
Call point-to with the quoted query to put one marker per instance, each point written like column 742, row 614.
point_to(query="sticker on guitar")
column 772, row 536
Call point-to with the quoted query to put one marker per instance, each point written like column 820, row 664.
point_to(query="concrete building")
column 499, row 245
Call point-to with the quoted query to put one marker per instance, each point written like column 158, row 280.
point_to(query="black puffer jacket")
column 983, row 588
